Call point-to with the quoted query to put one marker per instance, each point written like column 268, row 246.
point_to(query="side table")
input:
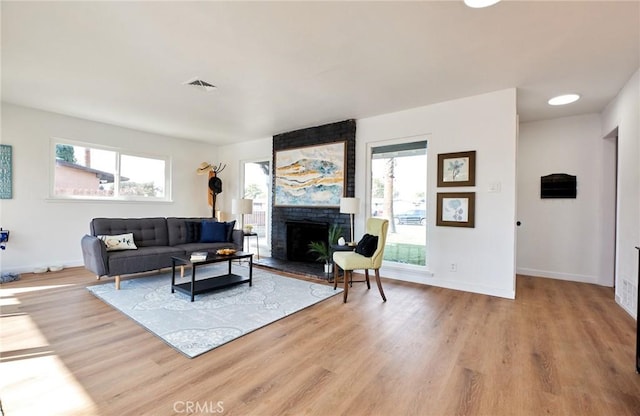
column 257, row 243
column 334, row 248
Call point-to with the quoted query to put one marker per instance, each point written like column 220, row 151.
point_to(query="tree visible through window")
column 398, row 189
column 83, row 171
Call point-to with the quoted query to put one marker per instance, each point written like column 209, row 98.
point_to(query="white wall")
column 45, row 232
column 565, row 238
column 624, row 112
column 485, row 255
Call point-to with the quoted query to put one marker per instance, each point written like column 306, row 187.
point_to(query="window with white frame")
column 87, row 171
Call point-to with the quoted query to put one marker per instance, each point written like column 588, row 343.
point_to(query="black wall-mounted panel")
column 558, row 185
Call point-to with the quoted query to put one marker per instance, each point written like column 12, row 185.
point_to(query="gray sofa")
column 156, row 239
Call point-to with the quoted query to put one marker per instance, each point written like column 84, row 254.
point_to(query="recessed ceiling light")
column 478, row 4
column 564, row 99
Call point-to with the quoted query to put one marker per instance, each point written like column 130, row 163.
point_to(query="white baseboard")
column 427, row 278
column 31, row 268
column 559, row 275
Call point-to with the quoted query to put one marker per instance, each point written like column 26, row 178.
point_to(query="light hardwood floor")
column 560, row 348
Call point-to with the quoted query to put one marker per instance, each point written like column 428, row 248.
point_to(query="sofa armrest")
column 237, row 238
column 94, row 254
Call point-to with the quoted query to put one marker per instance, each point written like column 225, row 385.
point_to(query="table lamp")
column 350, row 206
column 242, row 206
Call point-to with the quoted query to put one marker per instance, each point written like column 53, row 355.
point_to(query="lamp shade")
column 242, row 206
column 349, row 205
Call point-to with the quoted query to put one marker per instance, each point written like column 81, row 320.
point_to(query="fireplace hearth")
column 300, row 234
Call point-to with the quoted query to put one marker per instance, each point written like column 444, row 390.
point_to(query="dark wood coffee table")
column 195, row 287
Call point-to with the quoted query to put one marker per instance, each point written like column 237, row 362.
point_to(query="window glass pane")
column 398, row 191
column 83, row 171
column 142, row 177
column 256, row 187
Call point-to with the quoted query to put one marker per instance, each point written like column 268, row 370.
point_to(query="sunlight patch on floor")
column 20, row 290
column 34, row 379
column 42, row 386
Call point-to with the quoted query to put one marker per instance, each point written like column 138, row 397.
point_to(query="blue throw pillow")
column 213, row 232
column 229, row 229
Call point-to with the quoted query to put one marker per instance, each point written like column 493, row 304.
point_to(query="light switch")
column 495, row 187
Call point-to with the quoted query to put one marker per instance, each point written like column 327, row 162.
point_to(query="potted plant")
column 322, row 253
column 322, row 250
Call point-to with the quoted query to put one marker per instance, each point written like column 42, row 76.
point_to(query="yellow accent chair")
column 350, row 260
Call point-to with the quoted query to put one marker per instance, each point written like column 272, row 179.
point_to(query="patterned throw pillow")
column 118, row 242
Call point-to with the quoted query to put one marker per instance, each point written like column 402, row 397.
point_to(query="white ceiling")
column 281, row 66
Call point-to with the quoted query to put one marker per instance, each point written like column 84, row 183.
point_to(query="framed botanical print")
column 456, row 209
column 457, row 169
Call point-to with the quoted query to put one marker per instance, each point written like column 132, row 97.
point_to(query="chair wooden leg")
column 335, row 276
column 384, row 298
column 366, row 276
column 347, row 275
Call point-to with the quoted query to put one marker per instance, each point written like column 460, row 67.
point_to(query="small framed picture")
column 457, row 169
column 456, row 209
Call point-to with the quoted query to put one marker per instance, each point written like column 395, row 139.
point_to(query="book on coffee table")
column 198, row 256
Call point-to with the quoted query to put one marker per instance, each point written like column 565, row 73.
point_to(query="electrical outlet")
column 453, row 267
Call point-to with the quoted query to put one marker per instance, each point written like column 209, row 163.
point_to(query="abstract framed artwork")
column 311, row 176
column 456, row 209
column 457, row 169
column 6, row 172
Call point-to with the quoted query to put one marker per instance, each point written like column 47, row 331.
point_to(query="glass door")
column 398, row 193
column 257, row 183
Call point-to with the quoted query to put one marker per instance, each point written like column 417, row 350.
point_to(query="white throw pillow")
column 118, row 242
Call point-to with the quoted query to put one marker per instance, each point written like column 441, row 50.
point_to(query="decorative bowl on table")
column 226, row 251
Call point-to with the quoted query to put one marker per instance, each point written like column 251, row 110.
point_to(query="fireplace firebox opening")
column 300, row 234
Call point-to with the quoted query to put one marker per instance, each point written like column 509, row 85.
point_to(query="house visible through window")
column 86, row 171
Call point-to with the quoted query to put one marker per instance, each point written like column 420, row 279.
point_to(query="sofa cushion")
column 213, row 232
column 146, row 231
column 141, row 260
column 211, row 247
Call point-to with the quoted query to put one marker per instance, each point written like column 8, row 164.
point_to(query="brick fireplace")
column 344, row 131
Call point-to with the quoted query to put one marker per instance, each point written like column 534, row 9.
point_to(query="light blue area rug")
column 217, row 317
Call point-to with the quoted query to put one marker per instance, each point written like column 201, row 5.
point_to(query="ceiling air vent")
column 201, row 85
